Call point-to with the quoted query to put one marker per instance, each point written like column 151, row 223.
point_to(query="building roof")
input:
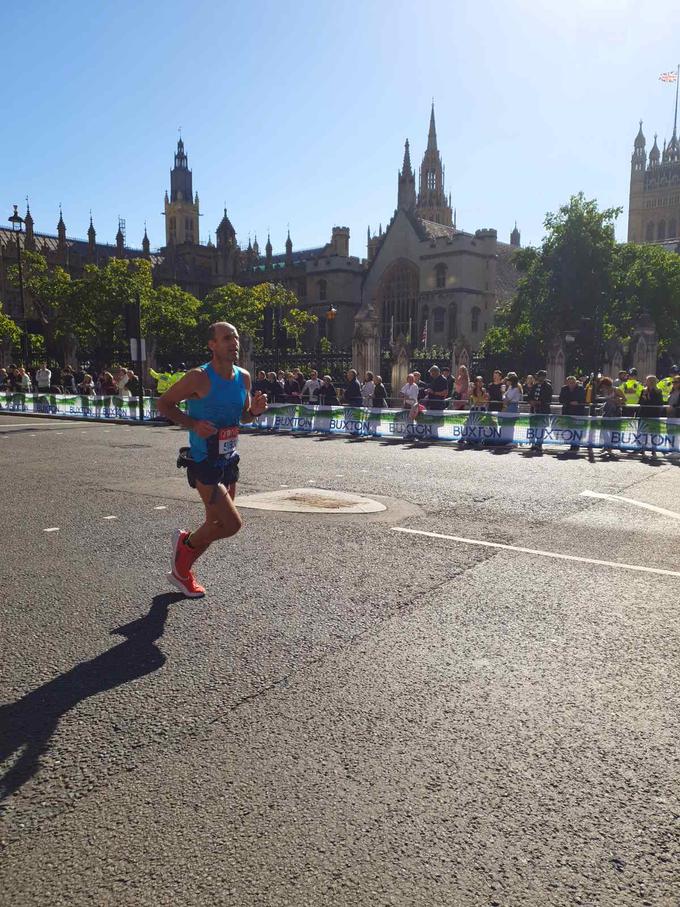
column 48, row 243
column 433, row 230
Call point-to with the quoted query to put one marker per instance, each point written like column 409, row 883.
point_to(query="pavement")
column 353, row 715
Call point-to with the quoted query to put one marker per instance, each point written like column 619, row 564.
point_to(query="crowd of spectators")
column 122, row 382
column 438, row 390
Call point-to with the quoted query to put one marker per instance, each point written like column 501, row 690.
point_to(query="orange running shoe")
column 182, row 556
column 187, row 585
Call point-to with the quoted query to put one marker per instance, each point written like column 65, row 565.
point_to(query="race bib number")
column 227, row 440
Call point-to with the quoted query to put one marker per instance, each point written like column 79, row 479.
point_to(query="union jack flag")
column 423, row 339
column 668, row 77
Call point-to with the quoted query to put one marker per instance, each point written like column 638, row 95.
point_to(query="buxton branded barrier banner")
column 625, row 433
column 476, row 427
column 124, row 409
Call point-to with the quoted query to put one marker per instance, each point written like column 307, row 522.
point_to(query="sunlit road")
column 353, row 715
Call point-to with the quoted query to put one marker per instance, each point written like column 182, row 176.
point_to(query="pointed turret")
column 515, row 237
column 654, row 154
column 61, row 230
column 120, row 240
column 256, row 248
column 289, row 249
column 225, row 233
column 91, row 241
column 268, row 251
column 146, row 245
column 29, row 241
column 639, row 158
column 181, row 208
column 406, row 194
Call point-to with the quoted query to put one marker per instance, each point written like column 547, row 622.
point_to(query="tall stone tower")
column 181, row 208
column 654, row 202
column 432, row 203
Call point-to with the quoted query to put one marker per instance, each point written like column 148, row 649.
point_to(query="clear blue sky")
column 296, row 113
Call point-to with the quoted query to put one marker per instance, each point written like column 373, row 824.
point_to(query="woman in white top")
column 513, row 393
column 368, row 389
column 122, row 379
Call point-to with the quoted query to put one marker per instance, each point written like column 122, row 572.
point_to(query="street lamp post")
column 330, row 318
column 277, row 334
column 17, row 222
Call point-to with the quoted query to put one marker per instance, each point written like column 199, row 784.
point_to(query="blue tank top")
column 222, row 406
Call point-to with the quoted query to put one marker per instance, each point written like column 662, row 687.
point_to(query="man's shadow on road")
column 27, row 725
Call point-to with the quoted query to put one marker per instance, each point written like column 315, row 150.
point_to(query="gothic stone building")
column 421, row 270
column 654, row 203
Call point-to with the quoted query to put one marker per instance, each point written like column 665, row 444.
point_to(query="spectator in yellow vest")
column 632, row 388
column 666, row 384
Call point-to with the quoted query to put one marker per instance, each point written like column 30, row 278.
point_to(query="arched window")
column 430, row 179
column 439, row 320
column 440, row 275
column 474, row 319
column 323, row 290
column 649, row 232
column 397, row 296
column 661, row 230
column 672, row 228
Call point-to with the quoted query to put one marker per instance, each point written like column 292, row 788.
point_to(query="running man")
column 218, row 399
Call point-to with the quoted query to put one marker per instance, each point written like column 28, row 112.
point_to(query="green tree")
column 170, row 324
column 49, row 293
column 566, row 285
column 10, row 332
column 99, row 300
column 645, row 279
column 245, row 307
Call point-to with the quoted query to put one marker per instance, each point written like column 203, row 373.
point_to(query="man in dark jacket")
column 573, row 400
column 353, row 390
column 539, row 397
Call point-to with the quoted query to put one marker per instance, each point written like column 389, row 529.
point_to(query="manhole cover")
column 310, row 500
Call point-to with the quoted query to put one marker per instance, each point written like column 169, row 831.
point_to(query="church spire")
column 406, row 191
column 433, row 204
column 432, row 134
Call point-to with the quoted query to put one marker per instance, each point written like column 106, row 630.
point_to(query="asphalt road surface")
column 353, row 715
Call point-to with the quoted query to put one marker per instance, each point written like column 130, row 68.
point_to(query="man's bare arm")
column 189, row 386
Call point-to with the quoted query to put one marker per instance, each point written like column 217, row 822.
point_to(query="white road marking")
column 20, row 424
column 616, row 497
column 554, row 554
column 52, row 529
column 110, row 517
column 161, row 507
column 284, row 486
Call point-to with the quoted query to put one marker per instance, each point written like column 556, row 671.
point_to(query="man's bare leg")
column 222, row 519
